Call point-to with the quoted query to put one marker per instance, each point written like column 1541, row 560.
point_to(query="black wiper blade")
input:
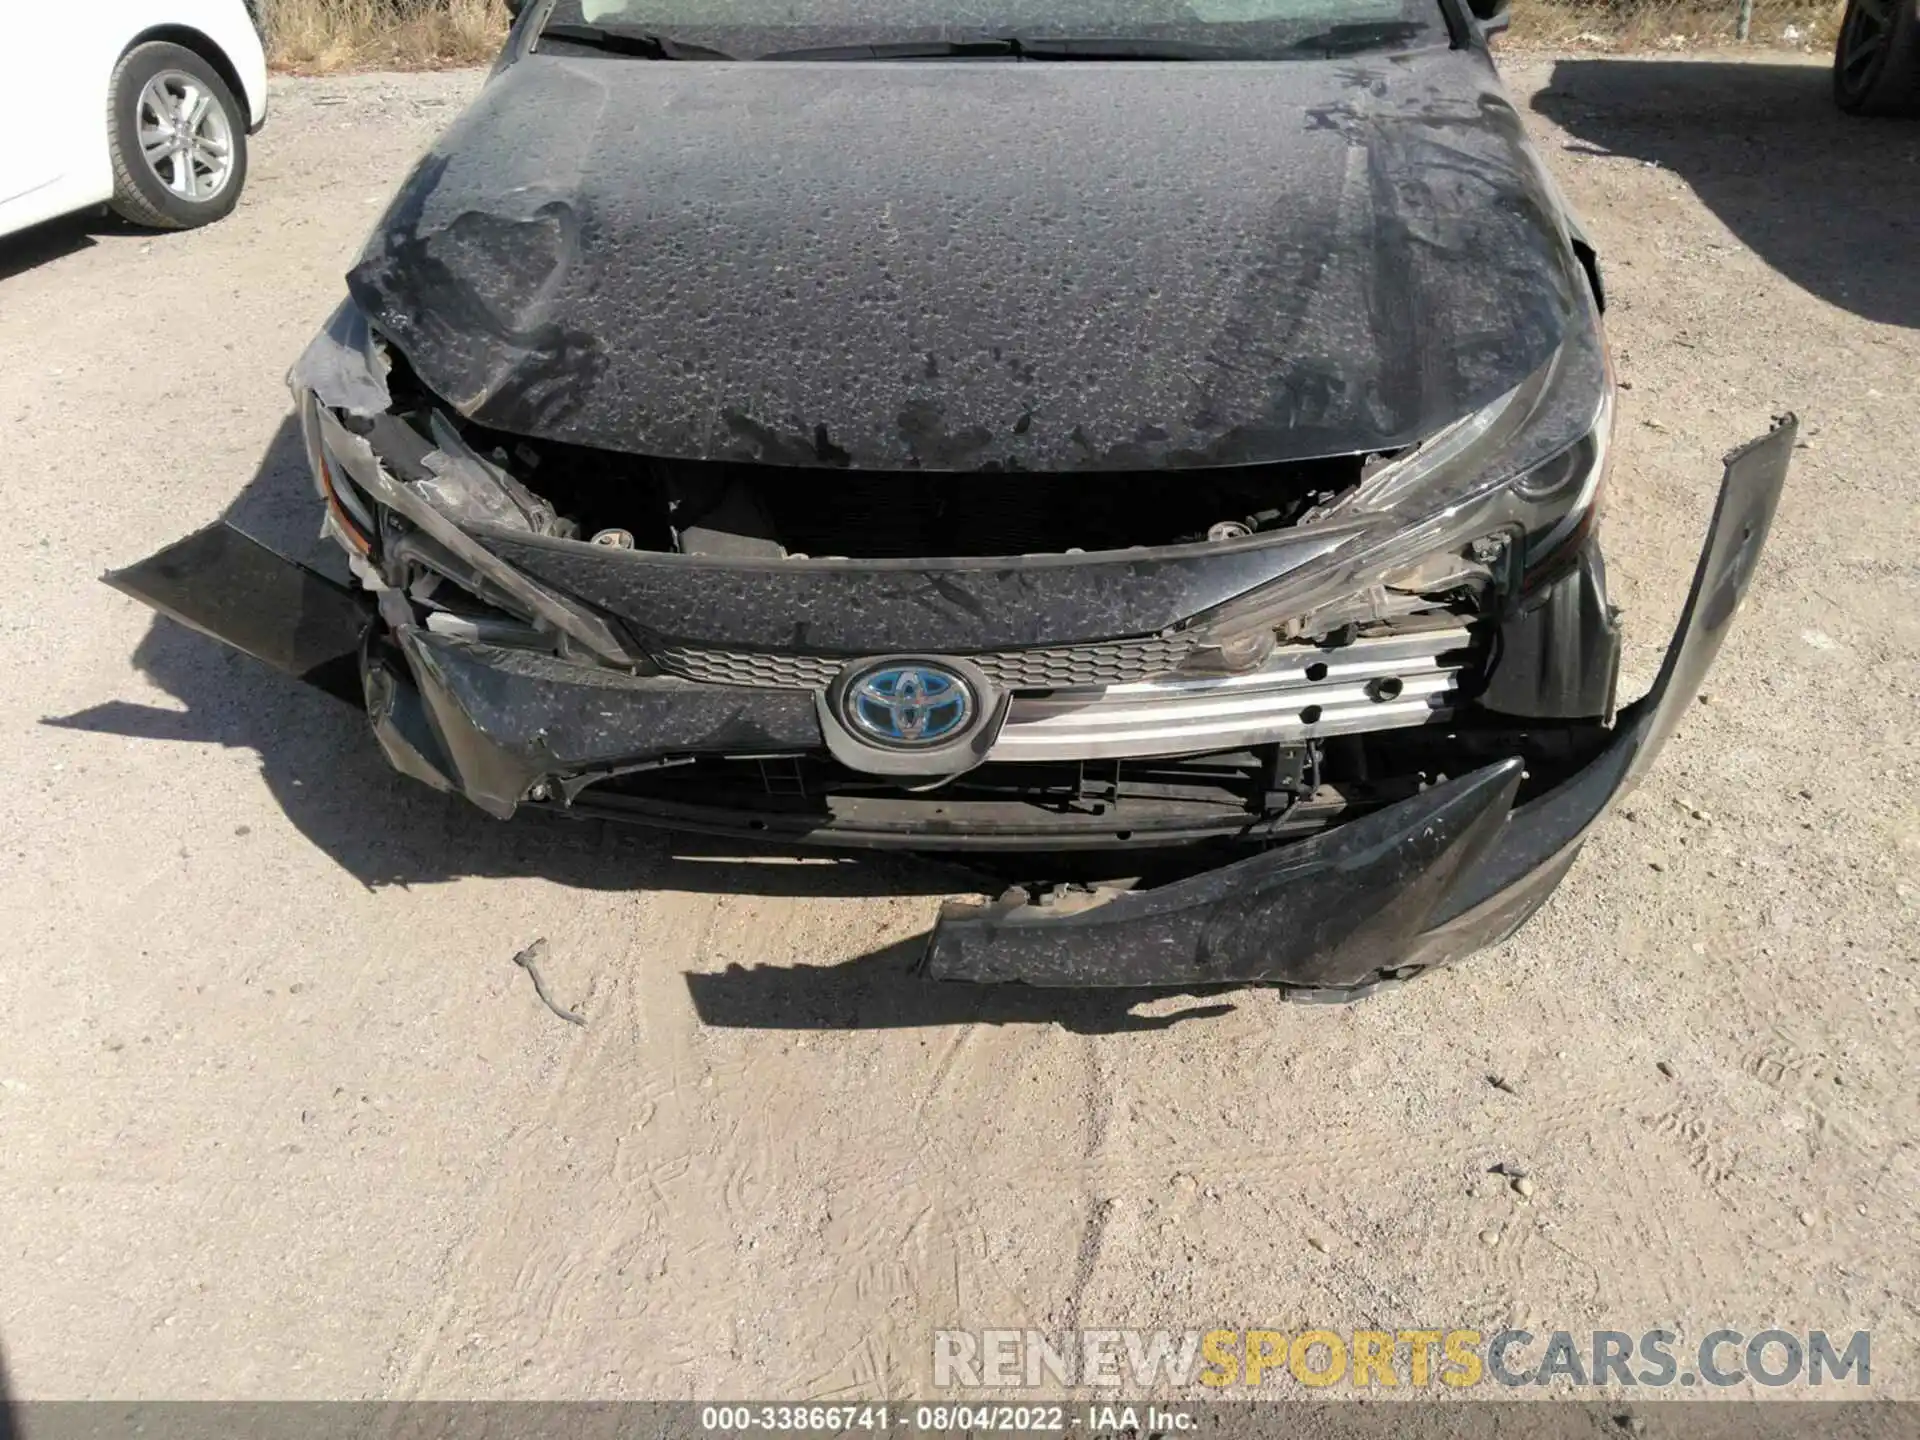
column 1349, row 39
column 1017, row 48
column 904, row 50
column 1353, row 39
column 641, row 43
column 1121, row 48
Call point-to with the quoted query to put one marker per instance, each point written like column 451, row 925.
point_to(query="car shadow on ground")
column 1831, row 201
column 882, row 991
column 47, row 241
column 320, row 763
column 61, row 236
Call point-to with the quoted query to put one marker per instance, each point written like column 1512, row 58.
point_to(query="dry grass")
column 1672, row 24
column 322, row 36
column 313, row 37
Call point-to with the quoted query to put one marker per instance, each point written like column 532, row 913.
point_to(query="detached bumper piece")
column 1323, row 911
column 1418, row 884
column 224, row 583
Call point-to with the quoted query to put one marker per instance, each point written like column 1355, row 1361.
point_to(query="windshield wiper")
column 904, row 50
column 1111, row 48
column 1352, row 39
column 1015, row 48
column 1348, row 39
column 1339, row 40
column 641, row 43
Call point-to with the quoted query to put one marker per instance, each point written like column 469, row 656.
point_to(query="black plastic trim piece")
column 876, row 607
column 1558, row 656
column 224, row 583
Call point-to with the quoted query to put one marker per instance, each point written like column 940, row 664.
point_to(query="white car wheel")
column 179, row 139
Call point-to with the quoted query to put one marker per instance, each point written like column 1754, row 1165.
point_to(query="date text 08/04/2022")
column 1042, row 1418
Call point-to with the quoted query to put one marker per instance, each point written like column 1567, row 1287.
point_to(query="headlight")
column 1502, row 494
column 349, row 514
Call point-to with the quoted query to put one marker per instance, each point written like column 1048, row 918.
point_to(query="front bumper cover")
column 1419, row 883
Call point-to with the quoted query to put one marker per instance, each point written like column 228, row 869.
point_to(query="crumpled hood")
column 967, row 265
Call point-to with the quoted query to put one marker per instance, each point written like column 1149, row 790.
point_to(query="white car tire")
column 178, row 138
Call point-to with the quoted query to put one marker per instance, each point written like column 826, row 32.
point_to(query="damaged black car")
column 1149, row 449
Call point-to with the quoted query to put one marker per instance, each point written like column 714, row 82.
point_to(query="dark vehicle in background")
column 1876, row 61
column 1150, row 447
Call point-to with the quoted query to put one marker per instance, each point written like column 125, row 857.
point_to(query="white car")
column 144, row 105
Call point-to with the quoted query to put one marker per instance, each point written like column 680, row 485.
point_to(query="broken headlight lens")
column 349, row 514
column 1540, row 451
column 1511, row 488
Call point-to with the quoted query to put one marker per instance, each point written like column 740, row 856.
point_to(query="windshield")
column 1234, row 29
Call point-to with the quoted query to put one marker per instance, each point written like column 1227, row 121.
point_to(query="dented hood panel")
column 963, row 265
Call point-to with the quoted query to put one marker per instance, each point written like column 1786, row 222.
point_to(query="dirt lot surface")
column 280, row 1116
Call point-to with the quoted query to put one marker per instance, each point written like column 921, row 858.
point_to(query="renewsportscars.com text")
column 1413, row 1357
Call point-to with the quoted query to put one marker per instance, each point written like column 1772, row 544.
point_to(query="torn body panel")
column 1559, row 648
column 1368, row 893
column 1446, row 873
column 343, row 365
column 514, row 721
column 1328, row 910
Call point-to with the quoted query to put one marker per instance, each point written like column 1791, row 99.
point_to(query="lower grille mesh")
column 1113, row 662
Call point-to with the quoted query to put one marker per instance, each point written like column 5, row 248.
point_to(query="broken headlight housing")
column 1497, row 502
column 350, row 515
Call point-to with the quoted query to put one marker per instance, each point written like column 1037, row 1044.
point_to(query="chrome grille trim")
column 1184, row 715
column 1110, row 662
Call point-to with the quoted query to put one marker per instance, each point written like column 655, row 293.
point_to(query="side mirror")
column 1493, row 15
column 514, row 7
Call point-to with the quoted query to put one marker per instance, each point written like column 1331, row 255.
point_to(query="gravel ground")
column 280, row 1116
